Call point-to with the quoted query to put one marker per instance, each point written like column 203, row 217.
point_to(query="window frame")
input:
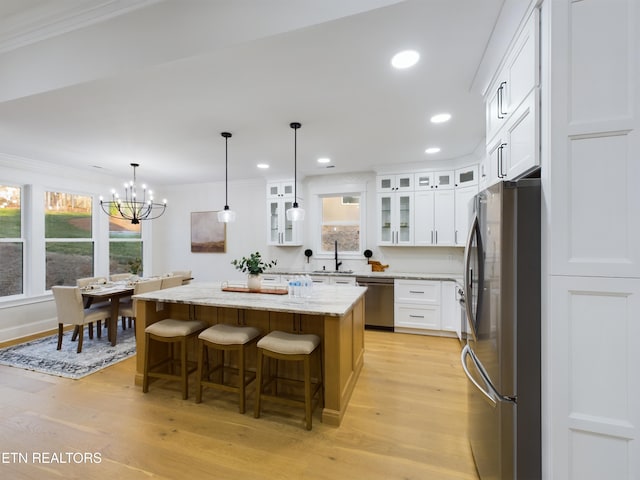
column 49, row 240
column 315, row 221
column 21, row 240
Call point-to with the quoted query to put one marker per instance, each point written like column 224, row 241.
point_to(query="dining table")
column 108, row 292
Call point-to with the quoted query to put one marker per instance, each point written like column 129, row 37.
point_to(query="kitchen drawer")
column 343, row 281
column 320, row 279
column 417, row 291
column 268, row 279
column 417, row 316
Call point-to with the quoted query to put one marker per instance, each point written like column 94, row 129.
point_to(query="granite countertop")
column 329, row 300
column 399, row 275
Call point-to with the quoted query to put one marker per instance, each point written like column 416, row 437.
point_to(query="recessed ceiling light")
column 263, row 165
column 441, row 118
column 405, row 59
column 324, row 160
column 432, row 150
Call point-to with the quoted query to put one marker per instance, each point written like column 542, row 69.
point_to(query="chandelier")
column 133, row 207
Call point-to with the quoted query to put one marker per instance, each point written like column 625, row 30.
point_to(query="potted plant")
column 254, row 266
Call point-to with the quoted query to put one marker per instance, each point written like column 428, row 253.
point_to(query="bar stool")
column 225, row 338
column 173, row 332
column 290, row 347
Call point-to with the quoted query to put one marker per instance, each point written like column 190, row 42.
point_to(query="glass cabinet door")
column 405, row 219
column 273, row 222
column 288, row 224
column 384, row 204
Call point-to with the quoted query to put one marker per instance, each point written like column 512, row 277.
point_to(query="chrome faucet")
column 336, row 256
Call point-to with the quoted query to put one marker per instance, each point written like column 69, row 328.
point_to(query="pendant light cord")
column 226, row 136
column 295, row 126
column 226, row 172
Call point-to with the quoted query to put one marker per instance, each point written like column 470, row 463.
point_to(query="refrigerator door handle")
column 466, row 351
column 467, row 274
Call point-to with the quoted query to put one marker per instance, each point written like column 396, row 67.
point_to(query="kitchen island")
column 335, row 313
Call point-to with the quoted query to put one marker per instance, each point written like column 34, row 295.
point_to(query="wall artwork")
column 207, row 234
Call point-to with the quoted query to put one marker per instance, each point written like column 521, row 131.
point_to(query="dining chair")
column 87, row 281
column 185, row 274
column 71, row 310
column 172, row 281
column 118, row 277
column 128, row 308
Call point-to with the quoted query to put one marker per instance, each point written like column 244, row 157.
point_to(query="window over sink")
column 341, row 223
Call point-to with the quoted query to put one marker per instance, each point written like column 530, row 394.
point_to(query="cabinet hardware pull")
column 432, row 237
column 501, row 173
column 416, row 316
column 416, row 291
column 500, row 94
column 436, row 237
column 455, row 236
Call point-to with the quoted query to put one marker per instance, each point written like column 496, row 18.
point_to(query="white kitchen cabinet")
column 280, row 189
column 463, row 198
column 449, row 308
column 395, row 182
column 332, row 280
column 272, row 279
column 467, row 176
column 423, row 181
column 434, row 218
column 523, row 138
column 517, row 78
column 443, row 180
column 416, row 305
column 340, row 280
column 320, row 279
column 514, row 152
column 395, row 219
column 426, row 307
column 280, row 231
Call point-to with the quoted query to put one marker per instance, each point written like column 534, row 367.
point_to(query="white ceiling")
column 104, row 83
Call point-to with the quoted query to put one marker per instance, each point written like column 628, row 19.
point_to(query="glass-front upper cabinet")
column 281, row 231
column 395, row 183
column 280, row 189
column 423, row 181
column 395, row 219
column 467, row 176
column 443, row 180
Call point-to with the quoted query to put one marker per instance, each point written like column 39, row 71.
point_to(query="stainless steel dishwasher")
column 378, row 301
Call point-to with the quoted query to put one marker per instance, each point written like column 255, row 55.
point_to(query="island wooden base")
column 342, row 342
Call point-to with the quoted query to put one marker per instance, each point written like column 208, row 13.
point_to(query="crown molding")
column 57, row 18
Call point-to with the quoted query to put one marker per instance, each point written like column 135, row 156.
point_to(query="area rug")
column 41, row 355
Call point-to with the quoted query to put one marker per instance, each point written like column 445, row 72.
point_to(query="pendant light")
column 226, row 215
column 295, row 214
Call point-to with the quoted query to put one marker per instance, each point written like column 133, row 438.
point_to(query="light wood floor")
column 406, row 420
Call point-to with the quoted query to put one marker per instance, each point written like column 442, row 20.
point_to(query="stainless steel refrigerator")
column 501, row 357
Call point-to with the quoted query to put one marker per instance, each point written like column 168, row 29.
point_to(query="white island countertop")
column 327, row 300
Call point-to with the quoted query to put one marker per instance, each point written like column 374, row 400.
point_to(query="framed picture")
column 207, row 234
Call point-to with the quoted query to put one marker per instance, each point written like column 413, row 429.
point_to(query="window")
column 341, row 223
column 125, row 247
column 11, row 242
column 68, row 238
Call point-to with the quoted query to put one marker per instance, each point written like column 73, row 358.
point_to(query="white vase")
column 254, row 282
